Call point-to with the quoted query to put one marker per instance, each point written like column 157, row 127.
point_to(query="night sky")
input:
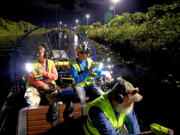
column 39, row 11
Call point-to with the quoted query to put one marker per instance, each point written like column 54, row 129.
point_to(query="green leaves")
column 151, row 37
column 149, row 31
column 9, row 30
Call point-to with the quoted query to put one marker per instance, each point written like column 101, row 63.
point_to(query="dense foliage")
column 9, row 30
column 154, row 35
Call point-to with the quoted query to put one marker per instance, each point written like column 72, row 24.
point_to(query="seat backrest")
column 33, row 120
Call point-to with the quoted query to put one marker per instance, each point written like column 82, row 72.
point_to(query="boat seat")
column 33, row 120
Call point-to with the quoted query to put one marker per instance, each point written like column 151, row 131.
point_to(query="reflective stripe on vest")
column 89, row 79
column 103, row 103
column 36, row 65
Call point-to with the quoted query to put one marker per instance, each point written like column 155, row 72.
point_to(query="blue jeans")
column 92, row 89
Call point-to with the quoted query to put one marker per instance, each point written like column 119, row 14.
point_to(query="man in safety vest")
column 108, row 114
column 41, row 81
column 83, row 70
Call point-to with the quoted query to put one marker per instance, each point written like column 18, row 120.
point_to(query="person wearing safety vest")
column 83, row 71
column 113, row 113
column 41, row 79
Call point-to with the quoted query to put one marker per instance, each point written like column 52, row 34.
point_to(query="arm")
column 78, row 78
column 101, row 122
column 37, row 83
column 104, row 126
column 99, row 72
column 132, row 123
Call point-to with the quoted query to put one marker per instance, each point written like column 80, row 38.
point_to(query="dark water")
column 159, row 104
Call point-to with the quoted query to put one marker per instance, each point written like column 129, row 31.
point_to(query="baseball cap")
column 83, row 49
column 127, row 89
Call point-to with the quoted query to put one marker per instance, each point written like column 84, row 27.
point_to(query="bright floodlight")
column 115, row 1
column 87, row 16
column 77, row 20
column 29, row 67
column 101, row 65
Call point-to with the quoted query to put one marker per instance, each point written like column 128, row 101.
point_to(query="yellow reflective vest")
column 89, row 79
column 103, row 103
column 37, row 65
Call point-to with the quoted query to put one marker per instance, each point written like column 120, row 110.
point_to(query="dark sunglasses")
column 133, row 92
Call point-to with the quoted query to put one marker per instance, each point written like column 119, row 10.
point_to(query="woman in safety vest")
column 41, row 79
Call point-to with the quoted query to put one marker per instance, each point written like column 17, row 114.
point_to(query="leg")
column 32, row 96
column 51, row 98
column 81, row 93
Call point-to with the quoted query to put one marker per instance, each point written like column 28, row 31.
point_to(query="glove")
column 52, row 88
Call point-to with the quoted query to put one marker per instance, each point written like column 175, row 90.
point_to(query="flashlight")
column 29, row 67
column 100, row 66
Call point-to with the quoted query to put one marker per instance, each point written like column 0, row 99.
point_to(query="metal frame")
column 24, row 49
